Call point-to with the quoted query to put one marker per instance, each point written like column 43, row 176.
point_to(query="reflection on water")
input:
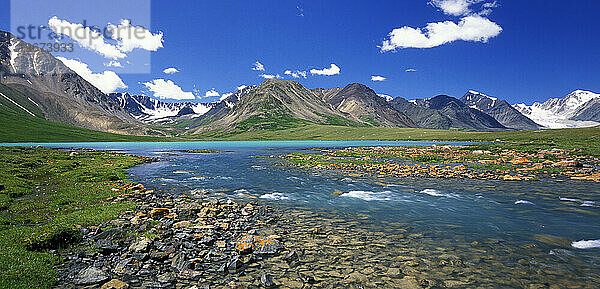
column 544, row 230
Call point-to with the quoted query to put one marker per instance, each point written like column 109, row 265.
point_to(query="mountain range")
column 578, row 109
column 49, row 90
column 61, row 94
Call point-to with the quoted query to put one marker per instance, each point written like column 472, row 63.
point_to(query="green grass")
column 16, row 125
column 47, row 195
column 585, row 139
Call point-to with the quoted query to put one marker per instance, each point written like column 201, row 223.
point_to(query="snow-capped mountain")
column 499, row 109
column 562, row 112
column 148, row 109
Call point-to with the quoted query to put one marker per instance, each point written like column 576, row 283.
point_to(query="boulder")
column 89, row 276
column 140, row 246
column 267, row 281
column 115, row 284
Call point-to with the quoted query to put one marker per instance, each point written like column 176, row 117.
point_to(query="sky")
column 521, row 51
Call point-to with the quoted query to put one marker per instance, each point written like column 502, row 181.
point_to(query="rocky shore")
column 175, row 242
column 452, row 162
column 193, row 241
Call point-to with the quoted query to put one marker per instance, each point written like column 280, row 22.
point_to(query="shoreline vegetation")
column 46, row 197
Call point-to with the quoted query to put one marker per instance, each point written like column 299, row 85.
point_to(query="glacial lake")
column 508, row 217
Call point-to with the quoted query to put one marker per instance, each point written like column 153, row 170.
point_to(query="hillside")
column 364, row 104
column 500, row 110
column 21, row 122
column 275, row 104
column 61, row 94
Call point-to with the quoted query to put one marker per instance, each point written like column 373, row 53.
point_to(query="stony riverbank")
column 195, row 241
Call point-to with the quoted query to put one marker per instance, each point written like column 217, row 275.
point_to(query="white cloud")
column 296, row 74
column 85, row 37
column 411, row 70
column 491, row 4
column 333, row 70
column 170, row 70
column 166, row 89
column 211, row 93
column 113, row 63
column 470, row 28
column 377, row 78
column 107, row 82
column 454, row 7
column 270, row 76
column 135, row 37
column 258, row 66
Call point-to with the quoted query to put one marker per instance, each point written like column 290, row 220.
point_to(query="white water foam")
column 570, row 200
column 588, row 204
column 523, row 202
column 181, row 172
column 275, row 196
column 586, row 244
column 368, row 195
column 584, row 203
column 436, row 193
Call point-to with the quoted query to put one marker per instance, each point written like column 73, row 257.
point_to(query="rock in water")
column 258, row 244
column 291, row 256
column 178, row 263
column 234, row 265
column 89, row 276
column 267, row 281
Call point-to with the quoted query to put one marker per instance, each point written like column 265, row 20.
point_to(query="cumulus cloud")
column 211, row 93
column 113, row 63
column 85, row 37
column 377, row 78
column 127, row 37
column 454, row 7
column 332, row 70
column 135, row 37
column 107, row 82
column 170, row 70
column 258, row 66
column 166, row 89
column 270, row 76
column 296, row 74
column 470, row 28
column 411, row 70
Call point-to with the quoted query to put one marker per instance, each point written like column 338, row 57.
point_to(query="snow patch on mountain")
column 201, row 108
column 14, row 53
column 386, row 97
column 149, row 109
column 557, row 112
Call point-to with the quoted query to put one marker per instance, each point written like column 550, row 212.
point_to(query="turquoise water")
column 516, row 213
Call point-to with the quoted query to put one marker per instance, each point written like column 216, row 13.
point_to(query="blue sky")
column 544, row 49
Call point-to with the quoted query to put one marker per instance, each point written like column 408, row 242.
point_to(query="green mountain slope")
column 22, row 121
column 275, row 105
